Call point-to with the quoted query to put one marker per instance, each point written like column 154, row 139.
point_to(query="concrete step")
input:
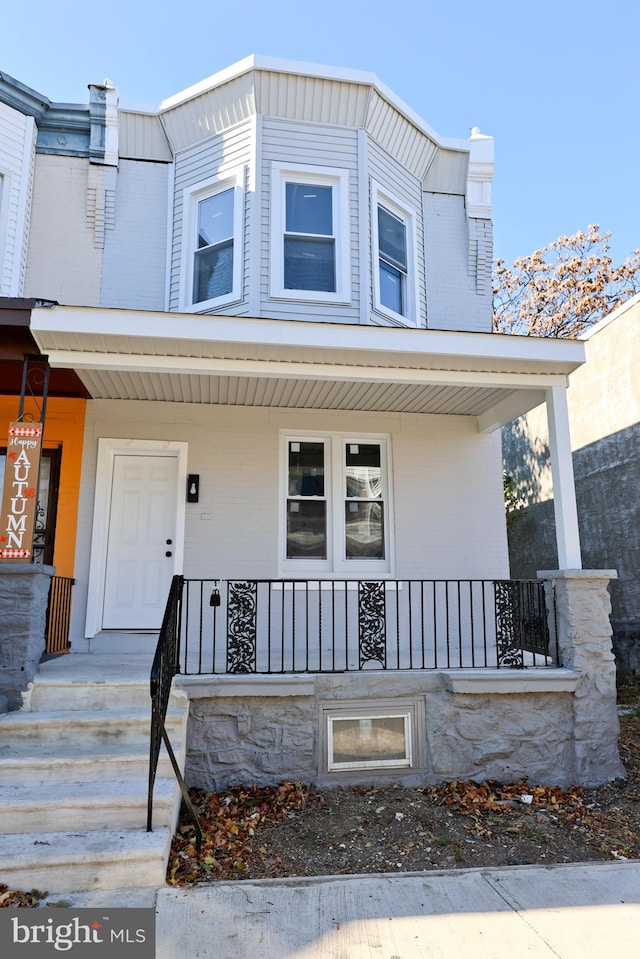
column 85, row 860
column 51, row 807
column 100, row 726
column 52, row 694
column 48, row 763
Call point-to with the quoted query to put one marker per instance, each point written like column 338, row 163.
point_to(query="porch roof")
column 240, row 361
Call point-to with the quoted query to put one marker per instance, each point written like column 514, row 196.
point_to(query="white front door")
column 141, row 540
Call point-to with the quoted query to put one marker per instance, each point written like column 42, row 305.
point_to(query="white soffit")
column 170, row 357
column 279, row 393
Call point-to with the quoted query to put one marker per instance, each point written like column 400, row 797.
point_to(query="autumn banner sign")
column 19, row 497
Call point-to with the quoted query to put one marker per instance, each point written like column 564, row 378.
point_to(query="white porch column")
column 564, row 490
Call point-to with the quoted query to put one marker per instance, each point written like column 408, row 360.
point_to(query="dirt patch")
column 292, row 830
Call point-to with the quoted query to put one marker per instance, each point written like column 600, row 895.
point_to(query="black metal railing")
column 59, row 614
column 164, row 668
column 303, row 626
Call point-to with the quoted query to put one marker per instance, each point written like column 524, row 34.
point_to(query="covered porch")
column 230, row 398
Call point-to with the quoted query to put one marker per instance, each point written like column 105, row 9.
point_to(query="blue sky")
column 556, row 83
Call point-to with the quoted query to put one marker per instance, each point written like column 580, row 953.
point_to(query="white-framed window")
column 310, row 252
column 369, row 739
column 336, row 514
column 385, row 736
column 394, row 266
column 211, row 273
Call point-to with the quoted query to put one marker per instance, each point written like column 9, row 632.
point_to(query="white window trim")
column 336, row 565
column 318, row 176
column 382, row 197
column 190, row 198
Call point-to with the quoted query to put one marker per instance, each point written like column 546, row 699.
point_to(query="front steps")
column 73, row 779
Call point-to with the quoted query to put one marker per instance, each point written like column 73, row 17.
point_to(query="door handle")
column 168, row 553
column 169, row 542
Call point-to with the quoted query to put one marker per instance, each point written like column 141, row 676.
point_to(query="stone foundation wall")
column 24, row 593
column 476, row 725
column 554, row 725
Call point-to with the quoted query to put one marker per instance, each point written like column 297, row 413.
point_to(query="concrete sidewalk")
column 583, row 911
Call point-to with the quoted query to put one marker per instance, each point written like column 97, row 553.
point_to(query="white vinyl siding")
column 217, row 159
column 16, row 181
column 286, row 145
column 401, row 193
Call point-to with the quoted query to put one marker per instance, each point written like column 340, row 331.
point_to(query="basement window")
column 369, row 742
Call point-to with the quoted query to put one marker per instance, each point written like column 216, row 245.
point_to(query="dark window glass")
column 392, row 238
column 364, row 530
column 309, row 209
column 306, row 529
column 213, row 262
column 309, row 265
column 391, row 288
column 392, row 266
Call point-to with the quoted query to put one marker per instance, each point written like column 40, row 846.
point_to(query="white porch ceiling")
column 290, row 393
column 239, row 361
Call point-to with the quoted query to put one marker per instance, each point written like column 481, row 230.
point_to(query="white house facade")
column 276, row 292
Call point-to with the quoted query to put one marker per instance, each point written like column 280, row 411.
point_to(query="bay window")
column 309, row 233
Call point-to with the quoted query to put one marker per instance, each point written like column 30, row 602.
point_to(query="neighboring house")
column 604, row 412
column 276, row 293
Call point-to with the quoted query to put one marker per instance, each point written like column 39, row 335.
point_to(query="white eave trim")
column 560, row 356
column 300, row 68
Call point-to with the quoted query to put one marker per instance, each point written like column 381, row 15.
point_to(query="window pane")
column 306, row 529
column 309, row 209
column 376, row 740
column 309, row 265
column 364, row 530
column 215, row 219
column 391, row 282
column 364, row 476
column 392, row 238
column 213, row 272
column 306, row 469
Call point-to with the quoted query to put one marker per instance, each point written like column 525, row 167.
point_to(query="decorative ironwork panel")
column 521, row 622
column 242, row 608
column 372, row 637
column 509, row 647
